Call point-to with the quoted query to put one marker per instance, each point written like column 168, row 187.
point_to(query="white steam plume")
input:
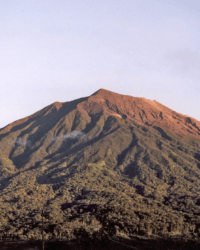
column 20, row 142
column 73, row 135
column 23, row 142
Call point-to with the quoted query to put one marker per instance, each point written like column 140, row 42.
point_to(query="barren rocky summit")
column 104, row 164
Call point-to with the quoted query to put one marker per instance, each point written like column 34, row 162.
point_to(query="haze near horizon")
column 60, row 51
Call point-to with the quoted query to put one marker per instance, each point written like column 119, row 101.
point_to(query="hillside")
column 103, row 164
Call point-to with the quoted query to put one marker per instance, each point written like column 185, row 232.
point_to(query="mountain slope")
column 108, row 162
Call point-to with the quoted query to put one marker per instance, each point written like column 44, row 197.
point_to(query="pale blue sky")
column 60, row 50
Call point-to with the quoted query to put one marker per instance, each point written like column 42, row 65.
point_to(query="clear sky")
column 60, row 50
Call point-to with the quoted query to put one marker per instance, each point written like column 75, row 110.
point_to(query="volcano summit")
column 104, row 164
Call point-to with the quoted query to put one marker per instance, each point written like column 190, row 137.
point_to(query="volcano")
column 104, row 164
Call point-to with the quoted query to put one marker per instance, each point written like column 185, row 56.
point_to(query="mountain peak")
column 103, row 92
column 142, row 111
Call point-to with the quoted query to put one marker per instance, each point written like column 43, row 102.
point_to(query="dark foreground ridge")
column 106, row 244
column 107, row 167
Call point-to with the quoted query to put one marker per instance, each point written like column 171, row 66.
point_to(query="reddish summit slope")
column 140, row 111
